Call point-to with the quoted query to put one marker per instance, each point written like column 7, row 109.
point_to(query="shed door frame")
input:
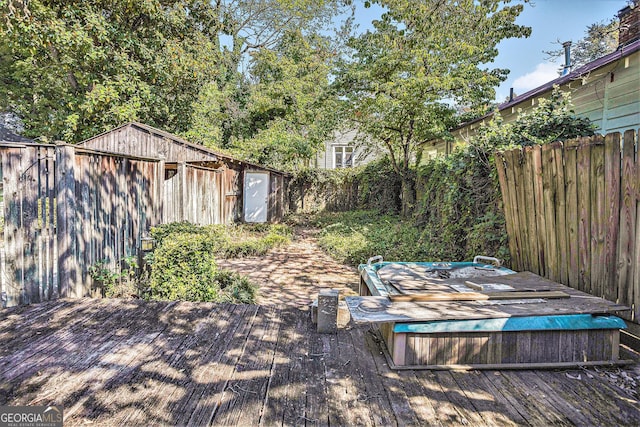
column 256, row 196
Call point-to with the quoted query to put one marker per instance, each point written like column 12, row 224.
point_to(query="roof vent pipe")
column 567, row 58
column 510, row 94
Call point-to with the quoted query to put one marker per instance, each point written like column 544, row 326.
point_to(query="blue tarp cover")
column 533, row 323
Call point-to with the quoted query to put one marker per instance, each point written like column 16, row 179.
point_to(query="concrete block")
column 344, row 317
column 328, row 311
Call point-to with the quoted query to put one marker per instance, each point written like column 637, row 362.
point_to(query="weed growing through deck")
column 116, row 281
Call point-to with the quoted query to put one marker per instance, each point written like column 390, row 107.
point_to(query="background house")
column 343, row 152
column 606, row 91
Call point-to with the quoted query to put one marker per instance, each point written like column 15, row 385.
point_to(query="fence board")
column 584, row 215
column 12, row 278
column 28, row 182
column 627, row 221
column 597, row 220
column 612, row 209
column 561, row 214
column 536, row 164
column 549, row 207
column 509, row 206
column 634, row 139
column 516, row 157
column 571, row 188
column 522, row 214
column 530, row 206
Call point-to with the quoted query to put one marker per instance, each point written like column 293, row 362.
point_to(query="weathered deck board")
column 137, row 363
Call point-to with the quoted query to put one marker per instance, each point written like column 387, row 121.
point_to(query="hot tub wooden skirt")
column 417, row 346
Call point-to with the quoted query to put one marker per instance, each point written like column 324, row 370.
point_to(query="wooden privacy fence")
column 66, row 208
column 572, row 214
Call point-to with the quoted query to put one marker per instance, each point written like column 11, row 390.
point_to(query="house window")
column 342, row 156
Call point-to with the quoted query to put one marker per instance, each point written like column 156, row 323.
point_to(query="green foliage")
column 76, row 68
column 355, row 236
column 421, row 55
column 373, row 186
column 116, row 281
column 72, row 69
column 459, row 209
column 184, row 268
column 551, row 120
column 229, row 241
column 235, row 288
column 283, row 115
column 183, row 264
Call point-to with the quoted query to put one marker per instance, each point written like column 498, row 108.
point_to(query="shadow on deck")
column 115, row 362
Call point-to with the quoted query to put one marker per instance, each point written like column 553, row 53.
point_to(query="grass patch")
column 229, row 241
column 355, row 236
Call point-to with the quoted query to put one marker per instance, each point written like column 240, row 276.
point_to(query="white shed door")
column 256, row 196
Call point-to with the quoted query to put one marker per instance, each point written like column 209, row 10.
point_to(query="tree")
column 420, row 57
column 290, row 109
column 71, row 69
column 283, row 110
column 600, row 39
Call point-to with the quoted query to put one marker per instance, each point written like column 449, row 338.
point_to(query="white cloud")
column 544, row 73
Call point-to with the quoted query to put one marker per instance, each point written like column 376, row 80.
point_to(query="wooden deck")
column 114, row 362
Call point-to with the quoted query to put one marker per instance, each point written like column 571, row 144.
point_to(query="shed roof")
column 7, row 135
column 178, row 140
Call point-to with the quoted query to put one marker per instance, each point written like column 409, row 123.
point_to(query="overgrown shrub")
column 184, row 268
column 375, row 186
column 459, row 207
column 121, row 280
column 183, row 264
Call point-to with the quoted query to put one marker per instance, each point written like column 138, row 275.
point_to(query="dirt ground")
column 293, row 275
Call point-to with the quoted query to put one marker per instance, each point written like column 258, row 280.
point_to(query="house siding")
column 609, row 96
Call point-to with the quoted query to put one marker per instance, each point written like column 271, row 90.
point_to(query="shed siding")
column 200, row 186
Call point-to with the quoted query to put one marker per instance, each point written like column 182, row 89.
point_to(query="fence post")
column 67, row 227
column 181, row 197
column 13, row 292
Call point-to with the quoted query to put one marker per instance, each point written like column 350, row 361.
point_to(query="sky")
column 551, row 21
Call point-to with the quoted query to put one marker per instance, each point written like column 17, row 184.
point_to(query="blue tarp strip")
column 529, row 323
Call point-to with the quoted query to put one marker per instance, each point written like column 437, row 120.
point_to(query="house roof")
column 179, row 140
column 7, row 135
column 621, row 52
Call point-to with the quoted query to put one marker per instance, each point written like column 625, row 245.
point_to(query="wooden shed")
column 201, row 185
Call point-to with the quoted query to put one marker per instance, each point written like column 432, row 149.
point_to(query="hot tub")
column 435, row 315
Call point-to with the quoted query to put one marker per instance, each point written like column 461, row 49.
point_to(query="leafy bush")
column 183, row 265
column 116, row 281
column 375, row 186
column 459, row 207
column 184, row 268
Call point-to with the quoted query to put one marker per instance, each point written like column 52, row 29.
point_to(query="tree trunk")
column 407, row 196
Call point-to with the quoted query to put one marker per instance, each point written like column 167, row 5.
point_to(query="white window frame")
column 342, row 148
